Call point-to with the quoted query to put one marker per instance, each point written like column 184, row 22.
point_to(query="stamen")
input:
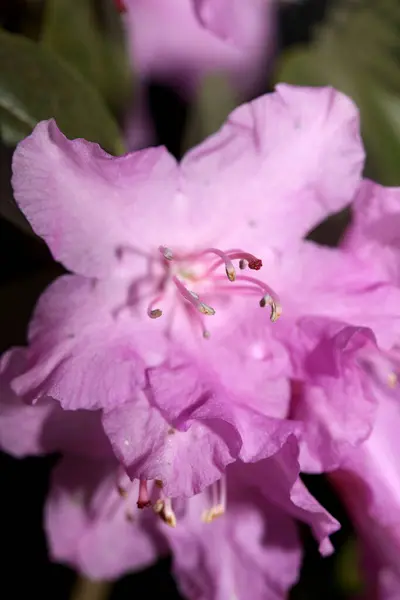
column 143, row 499
column 193, row 298
column 155, row 313
column 276, row 309
column 122, row 491
column 218, row 499
column 199, row 319
column 243, row 264
column 229, row 268
column 163, row 507
column 384, row 366
column 166, row 252
column 252, row 261
column 270, row 298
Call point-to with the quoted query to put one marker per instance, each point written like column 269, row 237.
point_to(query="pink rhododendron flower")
column 153, row 244
column 163, row 328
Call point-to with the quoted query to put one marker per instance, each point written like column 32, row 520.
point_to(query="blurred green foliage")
column 90, row 38
column 357, row 50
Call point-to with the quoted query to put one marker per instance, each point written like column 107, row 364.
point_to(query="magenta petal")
column 150, row 448
column 311, row 133
column 87, row 522
column 87, row 204
column 374, row 231
column 334, row 400
column 251, row 551
column 83, row 352
column 234, row 21
column 186, row 51
column 278, row 479
column 44, row 427
column 192, row 432
column 369, row 484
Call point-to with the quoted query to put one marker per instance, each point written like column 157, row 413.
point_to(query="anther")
column 122, row 491
column 229, row 268
column 213, row 513
column 193, row 298
column 276, row 308
column 205, row 309
column 246, row 259
column 164, row 510
column 152, row 311
column 218, row 500
column 392, row 380
column 166, row 252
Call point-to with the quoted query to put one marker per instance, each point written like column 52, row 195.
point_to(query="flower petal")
column 87, row 349
column 279, row 165
column 374, row 231
column 44, row 427
column 335, row 401
column 88, row 205
column 234, row 21
column 194, row 430
column 251, row 551
column 369, row 484
column 278, row 479
column 87, row 526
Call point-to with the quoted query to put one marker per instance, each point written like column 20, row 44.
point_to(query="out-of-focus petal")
column 90, row 527
column 251, row 551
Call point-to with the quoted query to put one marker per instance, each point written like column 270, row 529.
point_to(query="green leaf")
column 88, row 35
column 215, row 100
column 356, row 51
column 347, row 569
column 36, row 85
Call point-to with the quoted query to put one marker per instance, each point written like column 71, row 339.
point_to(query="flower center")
column 185, row 271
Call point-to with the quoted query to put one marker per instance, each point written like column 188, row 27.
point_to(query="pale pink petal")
column 332, row 283
column 279, row 165
column 335, row 400
column 88, row 205
column 44, row 427
column 194, row 430
column 278, row 479
column 374, row 230
column 233, row 21
column 369, row 484
column 251, row 551
column 87, row 348
column 89, row 527
column 185, row 51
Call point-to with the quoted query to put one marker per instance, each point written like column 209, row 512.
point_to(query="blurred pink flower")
column 369, row 478
column 180, row 41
